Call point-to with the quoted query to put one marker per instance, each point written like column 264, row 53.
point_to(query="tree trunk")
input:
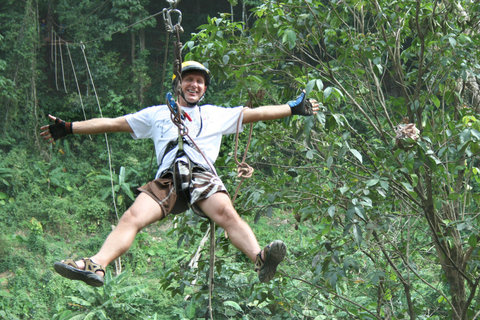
column 141, row 80
column 451, row 256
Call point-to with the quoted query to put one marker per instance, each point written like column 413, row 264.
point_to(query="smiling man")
column 186, row 177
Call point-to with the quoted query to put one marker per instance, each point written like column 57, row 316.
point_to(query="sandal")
column 70, row 270
column 273, row 254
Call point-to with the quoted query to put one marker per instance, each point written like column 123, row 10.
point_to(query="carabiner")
column 167, row 17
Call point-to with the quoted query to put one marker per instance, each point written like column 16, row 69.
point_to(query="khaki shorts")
column 202, row 185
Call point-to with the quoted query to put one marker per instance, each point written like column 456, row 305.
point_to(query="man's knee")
column 143, row 212
column 133, row 218
column 228, row 214
column 128, row 217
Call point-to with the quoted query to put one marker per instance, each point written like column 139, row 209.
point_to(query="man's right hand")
column 59, row 129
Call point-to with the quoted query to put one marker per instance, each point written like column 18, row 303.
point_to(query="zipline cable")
column 75, row 23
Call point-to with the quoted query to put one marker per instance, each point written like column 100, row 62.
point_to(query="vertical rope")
column 212, row 267
column 78, row 87
column 61, row 61
column 52, row 45
column 55, row 44
column 243, row 169
column 106, row 136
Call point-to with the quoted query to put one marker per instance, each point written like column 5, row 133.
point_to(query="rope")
column 85, row 18
column 176, row 117
column 78, row 87
column 212, row 267
column 106, row 136
column 63, row 69
column 243, row 169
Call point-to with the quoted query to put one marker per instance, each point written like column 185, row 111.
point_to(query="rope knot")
column 244, row 170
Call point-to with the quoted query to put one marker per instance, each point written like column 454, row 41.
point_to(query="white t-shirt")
column 209, row 123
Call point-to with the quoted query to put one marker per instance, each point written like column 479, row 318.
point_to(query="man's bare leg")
column 144, row 211
column 220, row 209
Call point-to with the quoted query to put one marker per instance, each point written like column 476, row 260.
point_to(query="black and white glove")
column 301, row 106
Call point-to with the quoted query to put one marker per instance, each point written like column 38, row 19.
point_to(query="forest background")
column 376, row 196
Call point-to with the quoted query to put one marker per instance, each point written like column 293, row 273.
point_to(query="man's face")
column 193, row 86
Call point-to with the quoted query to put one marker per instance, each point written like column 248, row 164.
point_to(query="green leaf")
column 233, row 305
column 472, row 241
column 290, row 37
column 408, row 186
column 357, row 234
column 360, row 212
column 121, row 176
column 190, row 311
column 452, row 41
column 310, row 86
column 310, row 154
column 384, row 184
column 331, row 211
column 79, row 301
column 357, row 155
column 319, row 84
column 414, row 180
column 344, row 189
column 329, row 162
column 321, row 117
column 375, row 276
column 226, row 58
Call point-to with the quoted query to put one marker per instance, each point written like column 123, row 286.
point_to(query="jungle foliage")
column 380, row 222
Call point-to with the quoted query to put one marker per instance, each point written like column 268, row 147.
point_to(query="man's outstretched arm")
column 300, row 106
column 61, row 128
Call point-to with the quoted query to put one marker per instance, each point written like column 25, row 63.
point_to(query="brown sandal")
column 273, row 254
column 70, row 270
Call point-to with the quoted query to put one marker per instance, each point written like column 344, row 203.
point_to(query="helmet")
column 189, row 66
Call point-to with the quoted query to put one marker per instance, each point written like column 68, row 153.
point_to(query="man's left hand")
column 303, row 106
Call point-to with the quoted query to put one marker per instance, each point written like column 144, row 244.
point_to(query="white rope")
column 78, row 87
column 106, row 137
column 51, row 47
column 61, row 61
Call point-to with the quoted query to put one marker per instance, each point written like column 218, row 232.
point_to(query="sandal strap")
column 259, row 261
column 71, row 262
column 92, row 266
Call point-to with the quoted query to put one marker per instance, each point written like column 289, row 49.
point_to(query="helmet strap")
column 190, row 104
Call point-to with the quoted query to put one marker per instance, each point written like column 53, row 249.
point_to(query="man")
column 186, row 176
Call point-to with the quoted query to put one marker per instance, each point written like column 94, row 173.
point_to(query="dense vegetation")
column 379, row 224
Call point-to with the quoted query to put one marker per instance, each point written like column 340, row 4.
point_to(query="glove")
column 301, row 106
column 60, row 129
